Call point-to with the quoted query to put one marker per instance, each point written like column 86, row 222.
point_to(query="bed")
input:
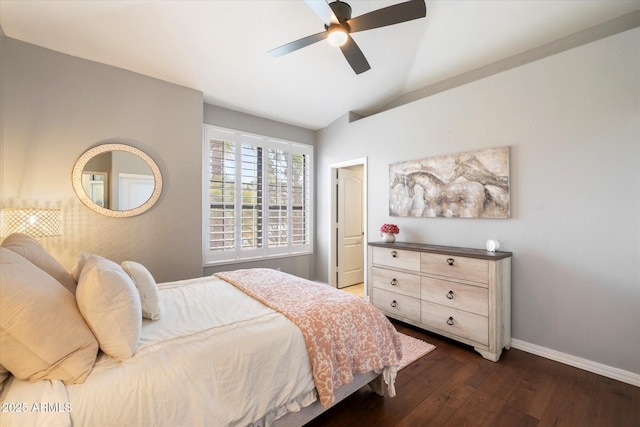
column 247, row 347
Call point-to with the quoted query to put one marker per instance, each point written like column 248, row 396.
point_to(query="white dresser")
column 463, row 294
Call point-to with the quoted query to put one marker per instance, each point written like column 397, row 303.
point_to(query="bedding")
column 216, row 357
column 30, row 248
column 223, row 352
column 147, row 289
column 343, row 334
column 42, row 334
column 109, row 303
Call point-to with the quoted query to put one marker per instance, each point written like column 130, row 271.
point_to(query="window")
column 257, row 196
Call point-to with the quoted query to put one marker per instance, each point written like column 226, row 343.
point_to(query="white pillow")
column 4, row 374
column 32, row 250
column 81, row 260
column 42, row 334
column 109, row 302
column 147, row 288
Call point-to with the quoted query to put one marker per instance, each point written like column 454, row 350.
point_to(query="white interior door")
column 134, row 190
column 350, row 227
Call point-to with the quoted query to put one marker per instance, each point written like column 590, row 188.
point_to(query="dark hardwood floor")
column 454, row 386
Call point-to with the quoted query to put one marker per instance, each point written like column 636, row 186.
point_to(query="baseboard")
column 577, row 362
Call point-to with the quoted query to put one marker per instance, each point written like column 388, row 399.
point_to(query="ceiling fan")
column 338, row 25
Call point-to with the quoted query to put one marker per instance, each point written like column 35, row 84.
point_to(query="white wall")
column 55, row 107
column 572, row 121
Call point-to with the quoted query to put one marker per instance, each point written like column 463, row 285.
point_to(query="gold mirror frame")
column 76, row 178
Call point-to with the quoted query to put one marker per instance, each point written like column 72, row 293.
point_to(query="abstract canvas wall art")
column 473, row 184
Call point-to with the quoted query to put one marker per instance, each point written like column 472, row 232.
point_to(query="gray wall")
column 224, row 117
column 572, row 122
column 301, row 265
column 2, row 122
column 57, row 106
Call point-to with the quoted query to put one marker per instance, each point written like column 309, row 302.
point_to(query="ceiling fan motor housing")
column 342, row 10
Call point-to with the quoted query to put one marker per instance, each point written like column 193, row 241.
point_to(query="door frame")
column 333, row 214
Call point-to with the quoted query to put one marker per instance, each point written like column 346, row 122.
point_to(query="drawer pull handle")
column 450, row 261
column 394, row 303
column 394, row 282
column 450, row 295
column 450, row 321
column 394, row 254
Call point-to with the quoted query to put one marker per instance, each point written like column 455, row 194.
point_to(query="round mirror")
column 117, row 180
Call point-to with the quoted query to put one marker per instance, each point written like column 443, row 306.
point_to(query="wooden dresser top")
column 447, row 250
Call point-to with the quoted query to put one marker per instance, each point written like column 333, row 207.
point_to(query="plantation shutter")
column 259, row 196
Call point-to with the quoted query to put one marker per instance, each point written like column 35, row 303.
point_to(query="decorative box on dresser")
column 461, row 293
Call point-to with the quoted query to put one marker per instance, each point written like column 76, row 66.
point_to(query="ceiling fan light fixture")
column 338, row 25
column 337, row 36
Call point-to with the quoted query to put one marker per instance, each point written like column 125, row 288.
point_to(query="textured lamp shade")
column 32, row 221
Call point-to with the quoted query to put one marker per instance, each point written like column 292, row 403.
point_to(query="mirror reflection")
column 117, row 180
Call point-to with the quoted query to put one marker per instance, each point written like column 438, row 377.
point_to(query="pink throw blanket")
column 343, row 333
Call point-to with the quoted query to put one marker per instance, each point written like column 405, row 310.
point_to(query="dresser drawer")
column 397, row 305
column 396, row 281
column 460, row 323
column 396, row 258
column 472, row 269
column 474, row 299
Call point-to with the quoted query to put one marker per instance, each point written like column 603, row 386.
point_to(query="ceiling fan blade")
column 390, row 15
column 323, row 10
column 298, row 44
column 354, row 56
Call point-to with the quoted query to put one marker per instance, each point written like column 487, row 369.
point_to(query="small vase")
column 388, row 237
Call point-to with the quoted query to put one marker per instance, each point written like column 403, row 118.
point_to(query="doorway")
column 348, row 258
column 133, row 190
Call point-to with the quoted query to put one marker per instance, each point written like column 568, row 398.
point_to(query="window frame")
column 237, row 254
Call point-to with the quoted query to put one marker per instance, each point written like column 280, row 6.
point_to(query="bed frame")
column 297, row 419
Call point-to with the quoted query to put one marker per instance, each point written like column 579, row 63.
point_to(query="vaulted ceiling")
column 220, row 47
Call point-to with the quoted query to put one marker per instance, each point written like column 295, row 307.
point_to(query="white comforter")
column 216, row 357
